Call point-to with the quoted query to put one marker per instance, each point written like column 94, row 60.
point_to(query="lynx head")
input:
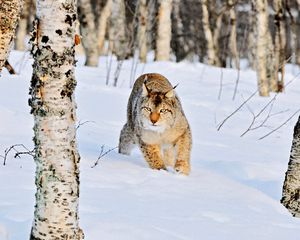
column 157, row 109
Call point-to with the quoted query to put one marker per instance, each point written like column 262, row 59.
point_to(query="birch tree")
column 142, row 29
column 117, row 30
column 88, row 32
column 211, row 36
column 163, row 37
column 22, row 26
column 10, row 11
column 291, row 187
column 53, row 107
column 264, row 47
column 233, row 35
column 181, row 48
column 105, row 13
column 277, row 83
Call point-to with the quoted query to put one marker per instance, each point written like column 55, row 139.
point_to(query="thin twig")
column 18, row 153
column 102, row 154
column 236, row 83
column 221, row 84
column 83, row 123
column 108, row 65
column 236, row 110
column 117, row 72
column 285, row 122
column 251, row 96
column 255, row 116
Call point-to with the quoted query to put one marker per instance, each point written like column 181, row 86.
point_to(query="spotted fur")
column 157, row 124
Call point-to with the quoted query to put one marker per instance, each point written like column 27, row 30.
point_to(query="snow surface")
column 233, row 191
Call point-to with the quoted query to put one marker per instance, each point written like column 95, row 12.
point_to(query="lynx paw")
column 182, row 167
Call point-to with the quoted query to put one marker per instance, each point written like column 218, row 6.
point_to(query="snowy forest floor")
column 233, row 191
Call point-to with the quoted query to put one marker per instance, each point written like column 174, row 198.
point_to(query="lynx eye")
column 164, row 110
column 147, row 109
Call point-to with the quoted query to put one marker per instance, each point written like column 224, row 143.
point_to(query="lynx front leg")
column 169, row 156
column 126, row 141
column 183, row 145
column 152, row 156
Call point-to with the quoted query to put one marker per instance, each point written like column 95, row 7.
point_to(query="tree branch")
column 102, row 154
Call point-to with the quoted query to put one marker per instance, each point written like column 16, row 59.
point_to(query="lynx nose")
column 154, row 117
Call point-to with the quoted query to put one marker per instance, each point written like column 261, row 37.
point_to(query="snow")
column 233, row 191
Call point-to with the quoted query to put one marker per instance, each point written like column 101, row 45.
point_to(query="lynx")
column 157, row 124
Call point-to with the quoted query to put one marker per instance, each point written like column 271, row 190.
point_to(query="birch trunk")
column 233, row 36
column 9, row 15
column 88, row 32
column 53, row 107
column 22, row 26
column 181, row 48
column 262, row 46
column 117, row 30
column 102, row 25
column 142, row 30
column 291, row 187
column 163, row 38
column 277, row 83
column 212, row 56
column 251, row 42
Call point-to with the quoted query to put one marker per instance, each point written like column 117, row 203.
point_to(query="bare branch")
column 102, row 154
column 248, row 99
column 17, row 152
column 281, row 125
column 236, row 83
column 221, row 84
column 83, row 123
column 236, row 110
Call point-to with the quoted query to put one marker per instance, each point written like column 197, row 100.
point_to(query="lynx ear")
column 145, row 89
column 171, row 93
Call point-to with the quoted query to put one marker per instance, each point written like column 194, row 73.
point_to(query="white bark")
column 212, row 56
column 142, row 30
column 291, row 188
column 53, row 107
column 9, row 14
column 117, row 30
column 263, row 42
column 88, row 32
column 233, row 36
column 102, row 25
column 251, row 42
column 22, row 26
column 163, row 38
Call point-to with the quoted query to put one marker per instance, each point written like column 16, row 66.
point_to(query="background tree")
column 163, row 37
column 216, row 32
column 53, row 107
column 142, row 29
column 118, row 38
column 10, row 11
column 102, row 23
column 89, row 32
column 291, row 188
column 264, row 47
column 277, row 85
column 22, row 29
